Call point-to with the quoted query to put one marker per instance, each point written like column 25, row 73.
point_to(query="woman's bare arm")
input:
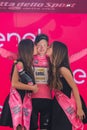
column 69, row 78
column 19, row 85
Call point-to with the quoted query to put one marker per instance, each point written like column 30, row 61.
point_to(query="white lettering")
column 55, row 5
column 81, row 76
column 29, row 35
column 2, row 37
column 9, row 36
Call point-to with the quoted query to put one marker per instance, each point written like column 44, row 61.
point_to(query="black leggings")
column 44, row 107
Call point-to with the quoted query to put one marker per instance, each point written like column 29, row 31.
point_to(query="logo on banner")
column 7, row 37
column 79, row 76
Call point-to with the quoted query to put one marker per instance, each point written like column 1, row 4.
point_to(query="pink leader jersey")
column 41, row 67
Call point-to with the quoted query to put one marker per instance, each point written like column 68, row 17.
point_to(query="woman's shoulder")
column 64, row 70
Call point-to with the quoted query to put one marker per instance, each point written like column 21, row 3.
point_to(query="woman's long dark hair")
column 59, row 59
column 25, row 54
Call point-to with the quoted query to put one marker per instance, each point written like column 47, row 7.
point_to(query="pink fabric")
column 19, row 67
column 69, row 107
column 40, row 61
column 8, row 54
column 15, row 104
column 43, row 92
column 27, row 104
column 41, row 66
column 21, row 112
column 27, row 110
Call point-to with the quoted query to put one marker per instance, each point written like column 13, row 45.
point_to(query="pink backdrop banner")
column 68, row 28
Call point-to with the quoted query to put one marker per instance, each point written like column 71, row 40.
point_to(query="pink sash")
column 27, row 110
column 69, row 107
column 21, row 112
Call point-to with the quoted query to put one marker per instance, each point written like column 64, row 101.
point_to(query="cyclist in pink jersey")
column 42, row 100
